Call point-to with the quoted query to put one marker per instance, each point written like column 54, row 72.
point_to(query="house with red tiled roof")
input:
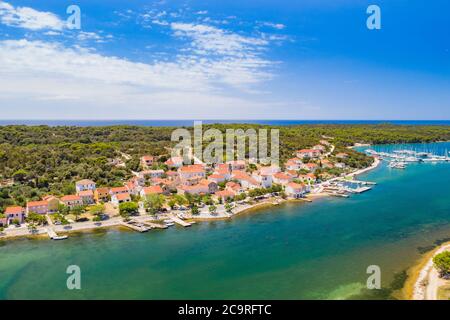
column 197, row 189
column 223, row 169
column 147, row 161
column 282, row 178
column 118, row 190
column 119, row 198
column 246, row 181
column 217, row 178
column 264, row 179
column 194, row 170
column 14, row 213
column 293, row 164
column 174, row 162
column 40, row 207
column 146, row 191
column 101, row 195
column 72, row 201
column 295, row 190
column 212, row 186
column 308, row 153
column 87, row 197
column 53, row 203
column 234, row 187
column 311, row 167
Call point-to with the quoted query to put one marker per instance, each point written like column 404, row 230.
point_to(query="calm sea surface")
column 317, row 250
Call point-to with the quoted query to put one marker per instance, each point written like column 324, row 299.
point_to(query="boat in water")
column 397, row 165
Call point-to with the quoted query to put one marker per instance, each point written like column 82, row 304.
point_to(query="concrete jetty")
column 179, row 221
column 135, row 226
column 53, row 235
column 154, row 225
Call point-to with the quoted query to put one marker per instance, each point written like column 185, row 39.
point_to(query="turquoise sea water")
column 316, row 250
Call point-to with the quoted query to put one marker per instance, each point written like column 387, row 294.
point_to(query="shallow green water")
column 315, row 250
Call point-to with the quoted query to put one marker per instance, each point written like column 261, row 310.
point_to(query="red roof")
column 37, row 203
column 225, row 194
column 118, row 190
column 195, row 168
column 14, row 210
column 122, row 196
column 153, row 190
column 86, row 193
column 85, row 182
column 71, row 197
column 102, row 190
column 281, row 176
column 294, row 185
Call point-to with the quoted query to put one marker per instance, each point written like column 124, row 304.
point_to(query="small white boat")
column 60, row 238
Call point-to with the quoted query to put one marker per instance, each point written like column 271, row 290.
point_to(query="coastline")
column 422, row 282
column 116, row 221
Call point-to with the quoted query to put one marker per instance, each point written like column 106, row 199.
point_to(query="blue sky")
column 310, row 59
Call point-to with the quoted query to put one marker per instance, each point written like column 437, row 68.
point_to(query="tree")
column 180, row 199
column 127, row 209
column 15, row 222
column 97, row 210
column 172, row 203
column 228, row 207
column 20, row 175
column 154, row 202
column 442, row 263
column 212, row 209
column 63, row 209
column 34, row 218
column 77, row 211
column 195, row 210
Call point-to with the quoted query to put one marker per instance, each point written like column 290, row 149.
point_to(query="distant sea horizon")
column 189, row 122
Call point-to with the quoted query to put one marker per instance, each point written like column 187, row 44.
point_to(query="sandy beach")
column 424, row 281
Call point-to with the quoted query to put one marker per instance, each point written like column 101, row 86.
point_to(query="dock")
column 53, row 235
column 179, row 221
column 139, row 227
column 154, row 225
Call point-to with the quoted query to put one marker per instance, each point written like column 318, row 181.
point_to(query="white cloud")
column 28, row 18
column 278, row 26
column 40, row 75
column 93, row 36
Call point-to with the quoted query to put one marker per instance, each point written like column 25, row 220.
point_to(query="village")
column 181, row 193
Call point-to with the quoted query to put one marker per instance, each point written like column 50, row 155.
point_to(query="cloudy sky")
column 221, row 59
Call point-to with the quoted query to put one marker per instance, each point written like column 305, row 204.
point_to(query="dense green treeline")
column 44, row 159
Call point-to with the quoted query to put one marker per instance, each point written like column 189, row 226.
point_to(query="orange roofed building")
column 40, row 207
